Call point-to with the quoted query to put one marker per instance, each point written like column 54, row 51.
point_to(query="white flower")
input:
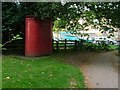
column 8, row 77
column 42, row 72
column 51, row 75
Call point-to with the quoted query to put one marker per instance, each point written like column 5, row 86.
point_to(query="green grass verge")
column 113, row 47
column 39, row 72
column 0, row 72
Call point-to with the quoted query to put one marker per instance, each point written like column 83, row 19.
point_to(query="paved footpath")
column 100, row 69
column 103, row 71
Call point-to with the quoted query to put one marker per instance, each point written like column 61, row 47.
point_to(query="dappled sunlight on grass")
column 39, row 72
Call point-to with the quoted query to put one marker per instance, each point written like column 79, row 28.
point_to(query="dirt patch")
column 79, row 58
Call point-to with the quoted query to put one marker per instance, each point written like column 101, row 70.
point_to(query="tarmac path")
column 100, row 69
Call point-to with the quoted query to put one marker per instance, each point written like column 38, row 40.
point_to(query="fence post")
column 65, row 43
column 57, row 45
column 75, row 42
column 53, row 45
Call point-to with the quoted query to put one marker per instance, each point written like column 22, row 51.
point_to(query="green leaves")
column 13, row 15
column 108, row 10
column 59, row 24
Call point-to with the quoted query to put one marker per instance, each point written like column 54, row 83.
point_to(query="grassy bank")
column 39, row 72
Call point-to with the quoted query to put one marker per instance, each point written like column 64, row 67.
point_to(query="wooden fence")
column 16, row 46
column 19, row 45
column 64, row 44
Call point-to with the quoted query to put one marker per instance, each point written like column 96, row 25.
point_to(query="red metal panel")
column 38, row 39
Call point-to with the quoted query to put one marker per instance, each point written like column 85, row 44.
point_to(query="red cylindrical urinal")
column 38, row 37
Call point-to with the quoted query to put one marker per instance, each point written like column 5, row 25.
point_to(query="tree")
column 13, row 19
column 13, row 15
column 108, row 15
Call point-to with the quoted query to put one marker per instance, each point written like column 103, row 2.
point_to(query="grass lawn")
column 0, row 72
column 114, row 47
column 39, row 72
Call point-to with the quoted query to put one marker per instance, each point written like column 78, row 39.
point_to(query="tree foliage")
column 108, row 10
column 13, row 15
column 13, row 19
column 108, row 15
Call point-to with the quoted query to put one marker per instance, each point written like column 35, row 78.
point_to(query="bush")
column 88, row 46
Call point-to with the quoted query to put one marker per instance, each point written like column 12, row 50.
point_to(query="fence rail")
column 64, row 44
column 14, row 46
column 18, row 46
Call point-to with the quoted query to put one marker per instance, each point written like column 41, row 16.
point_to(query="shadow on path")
column 100, row 69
